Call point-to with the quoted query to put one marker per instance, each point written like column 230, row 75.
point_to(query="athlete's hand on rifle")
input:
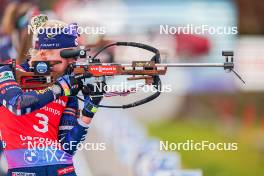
column 69, row 85
column 92, row 98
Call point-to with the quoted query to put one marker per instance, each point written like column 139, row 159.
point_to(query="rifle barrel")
column 191, row 65
column 167, row 64
column 185, row 65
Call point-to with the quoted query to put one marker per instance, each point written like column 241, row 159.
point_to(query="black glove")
column 92, row 98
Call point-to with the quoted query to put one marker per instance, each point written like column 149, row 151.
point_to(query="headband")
column 57, row 38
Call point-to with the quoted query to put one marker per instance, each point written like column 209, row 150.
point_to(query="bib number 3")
column 43, row 122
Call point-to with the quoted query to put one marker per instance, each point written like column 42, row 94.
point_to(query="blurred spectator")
column 14, row 30
column 6, row 49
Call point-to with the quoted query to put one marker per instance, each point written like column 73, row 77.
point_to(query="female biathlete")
column 40, row 129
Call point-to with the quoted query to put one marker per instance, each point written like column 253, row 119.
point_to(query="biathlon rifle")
column 42, row 76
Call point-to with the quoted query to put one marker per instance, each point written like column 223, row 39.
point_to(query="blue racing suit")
column 38, row 129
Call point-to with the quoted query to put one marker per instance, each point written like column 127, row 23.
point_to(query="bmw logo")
column 42, row 67
column 31, row 156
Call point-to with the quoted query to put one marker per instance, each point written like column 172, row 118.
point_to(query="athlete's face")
column 54, row 55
